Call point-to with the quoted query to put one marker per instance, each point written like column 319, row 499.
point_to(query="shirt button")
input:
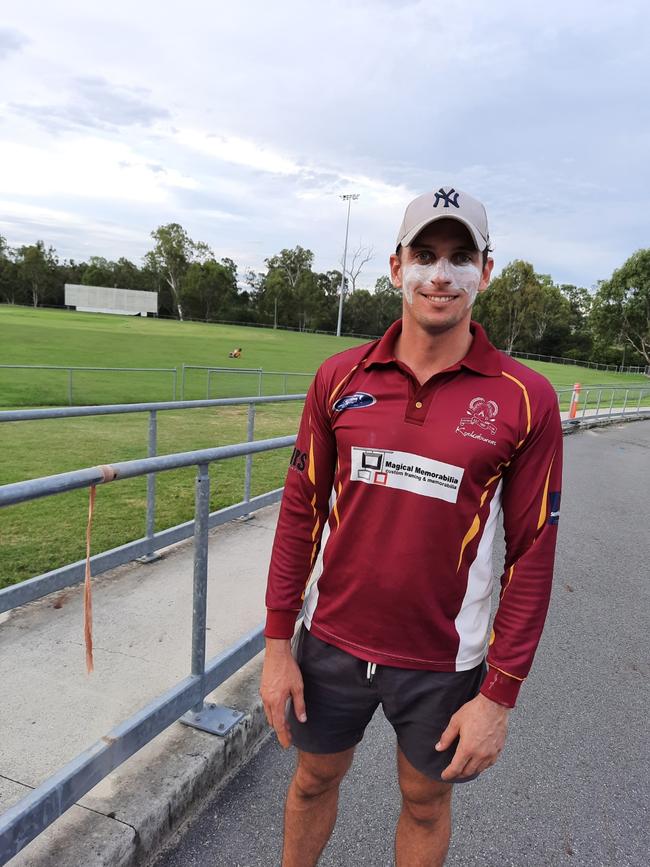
column 418, row 404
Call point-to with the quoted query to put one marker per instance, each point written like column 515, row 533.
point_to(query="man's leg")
column 424, row 825
column 312, row 802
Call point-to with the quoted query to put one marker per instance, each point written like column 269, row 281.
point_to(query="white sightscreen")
column 106, row 299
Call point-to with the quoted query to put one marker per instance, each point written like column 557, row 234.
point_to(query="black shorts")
column 342, row 693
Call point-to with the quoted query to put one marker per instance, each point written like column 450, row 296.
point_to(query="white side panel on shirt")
column 311, row 594
column 473, row 619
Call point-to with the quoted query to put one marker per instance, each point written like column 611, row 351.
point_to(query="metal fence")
column 147, row 546
column 67, row 382
column 593, row 365
column 239, row 381
column 603, row 402
column 211, row 382
column 30, row 816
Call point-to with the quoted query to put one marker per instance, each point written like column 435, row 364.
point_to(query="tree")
column 11, row 287
column 361, row 256
column 37, row 267
column 290, row 287
column 210, row 289
column 511, row 305
column 172, row 255
column 99, row 272
column 388, row 304
column 621, row 308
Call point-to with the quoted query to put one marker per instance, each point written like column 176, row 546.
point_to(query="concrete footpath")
column 51, row 710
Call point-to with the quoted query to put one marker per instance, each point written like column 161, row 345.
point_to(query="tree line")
column 522, row 311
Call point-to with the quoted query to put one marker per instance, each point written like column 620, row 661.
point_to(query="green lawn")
column 48, row 533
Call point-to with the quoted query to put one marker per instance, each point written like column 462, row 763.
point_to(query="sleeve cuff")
column 500, row 687
column 280, row 624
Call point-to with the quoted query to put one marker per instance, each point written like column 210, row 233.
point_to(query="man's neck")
column 427, row 354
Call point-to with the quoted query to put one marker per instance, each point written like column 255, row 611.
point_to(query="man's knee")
column 425, row 800
column 316, row 774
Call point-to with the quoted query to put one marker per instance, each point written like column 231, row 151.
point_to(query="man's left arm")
column 531, row 505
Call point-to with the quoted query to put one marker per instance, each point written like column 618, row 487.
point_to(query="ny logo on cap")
column 450, row 198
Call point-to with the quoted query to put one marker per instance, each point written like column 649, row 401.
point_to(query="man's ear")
column 486, row 274
column 396, row 271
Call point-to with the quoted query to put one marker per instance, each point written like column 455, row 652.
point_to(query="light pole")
column 349, row 198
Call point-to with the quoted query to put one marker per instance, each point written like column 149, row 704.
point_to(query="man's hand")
column 281, row 680
column 482, row 725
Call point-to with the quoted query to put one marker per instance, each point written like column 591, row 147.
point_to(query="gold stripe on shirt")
column 544, row 506
column 526, row 398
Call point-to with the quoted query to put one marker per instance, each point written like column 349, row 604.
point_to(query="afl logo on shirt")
column 354, row 401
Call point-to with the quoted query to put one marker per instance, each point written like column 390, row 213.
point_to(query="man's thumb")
column 298, row 698
column 448, row 736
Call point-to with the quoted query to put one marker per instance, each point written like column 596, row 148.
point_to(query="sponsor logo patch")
column 354, row 401
column 298, row 460
column 478, row 423
column 407, row 472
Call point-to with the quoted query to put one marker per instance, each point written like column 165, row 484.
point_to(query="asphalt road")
column 572, row 786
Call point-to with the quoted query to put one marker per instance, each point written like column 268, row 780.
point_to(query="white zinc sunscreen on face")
column 441, row 275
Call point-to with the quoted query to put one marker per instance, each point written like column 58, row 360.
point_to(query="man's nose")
column 441, row 272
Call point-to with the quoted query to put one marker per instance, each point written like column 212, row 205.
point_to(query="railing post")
column 151, row 555
column 175, row 378
column 250, row 436
column 70, row 386
column 627, row 390
column 638, row 406
column 611, row 403
column 207, row 389
column 212, row 718
column 600, row 395
column 259, row 383
column 285, row 383
column 584, row 405
column 200, row 591
column 183, row 382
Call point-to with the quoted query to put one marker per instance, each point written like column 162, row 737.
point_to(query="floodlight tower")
column 349, row 198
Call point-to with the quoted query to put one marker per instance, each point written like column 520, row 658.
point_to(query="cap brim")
column 479, row 240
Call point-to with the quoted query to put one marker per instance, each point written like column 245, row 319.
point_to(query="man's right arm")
column 303, row 513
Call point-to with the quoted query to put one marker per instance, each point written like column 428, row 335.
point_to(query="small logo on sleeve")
column 358, row 400
column 298, row 460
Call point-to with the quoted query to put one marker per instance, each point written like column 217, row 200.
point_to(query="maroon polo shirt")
column 405, row 483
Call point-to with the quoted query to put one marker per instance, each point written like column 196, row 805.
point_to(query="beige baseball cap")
column 444, row 203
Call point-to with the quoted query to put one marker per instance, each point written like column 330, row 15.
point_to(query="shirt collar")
column 482, row 357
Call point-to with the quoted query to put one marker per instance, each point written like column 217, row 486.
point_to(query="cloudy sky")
column 246, row 121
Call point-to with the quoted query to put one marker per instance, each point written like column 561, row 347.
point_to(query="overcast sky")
column 246, row 121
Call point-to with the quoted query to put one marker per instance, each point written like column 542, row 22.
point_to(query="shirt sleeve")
column 531, row 508
column 303, row 513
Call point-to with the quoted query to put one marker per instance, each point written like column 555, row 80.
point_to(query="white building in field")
column 104, row 299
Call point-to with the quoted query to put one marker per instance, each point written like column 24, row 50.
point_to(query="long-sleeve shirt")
column 406, row 482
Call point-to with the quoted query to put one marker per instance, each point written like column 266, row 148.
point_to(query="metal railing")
column 593, row 365
column 601, row 402
column 147, row 546
column 257, row 373
column 71, row 370
column 29, row 817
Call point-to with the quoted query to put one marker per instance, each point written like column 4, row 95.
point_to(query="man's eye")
column 462, row 258
column 424, row 257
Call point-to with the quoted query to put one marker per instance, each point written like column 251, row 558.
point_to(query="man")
column 408, row 449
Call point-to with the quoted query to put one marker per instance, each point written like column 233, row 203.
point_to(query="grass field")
column 48, row 533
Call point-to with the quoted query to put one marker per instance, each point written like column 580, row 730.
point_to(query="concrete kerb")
column 156, row 791
column 149, row 799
